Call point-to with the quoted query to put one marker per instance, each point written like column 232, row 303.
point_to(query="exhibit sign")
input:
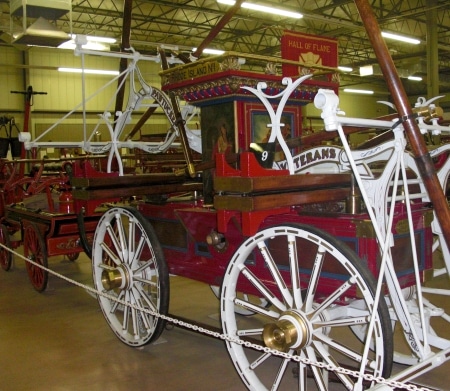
column 311, row 51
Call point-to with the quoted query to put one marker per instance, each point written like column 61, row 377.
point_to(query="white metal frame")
column 140, row 94
column 413, row 312
column 414, row 315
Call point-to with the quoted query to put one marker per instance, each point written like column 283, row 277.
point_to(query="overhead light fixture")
column 366, row 70
column 91, row 71
column 401, row 38
column 264, row 8
column 415, row 78
column 89, row 46
column 94, row 38
column 210, row 51
column 355, row 91
column 345, row 69
column 93, row 43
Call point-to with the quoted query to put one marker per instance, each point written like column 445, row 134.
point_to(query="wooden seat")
column 259, row 193
column 105, row 187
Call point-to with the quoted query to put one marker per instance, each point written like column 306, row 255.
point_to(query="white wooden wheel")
column 319, row 291
column 129, row 265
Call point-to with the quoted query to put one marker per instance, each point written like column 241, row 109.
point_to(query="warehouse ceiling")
column 186, row 24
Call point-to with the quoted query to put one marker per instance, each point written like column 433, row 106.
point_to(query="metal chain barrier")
column 344, row 371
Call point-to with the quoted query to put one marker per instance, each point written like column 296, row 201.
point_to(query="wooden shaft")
column 126, row 31
column 419, row 149
column 180, row 124
column 218, row 28
column 141, row 122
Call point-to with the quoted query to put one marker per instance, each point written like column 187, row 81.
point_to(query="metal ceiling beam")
column 188, row 23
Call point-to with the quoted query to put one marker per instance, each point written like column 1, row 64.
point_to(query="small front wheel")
column 129, row 266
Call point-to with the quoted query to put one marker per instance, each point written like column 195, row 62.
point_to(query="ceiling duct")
column 48, row 9
column 404, row 70
column 40, row 32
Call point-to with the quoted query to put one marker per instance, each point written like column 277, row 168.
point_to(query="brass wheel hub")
column 292, row 330
column 119, row 277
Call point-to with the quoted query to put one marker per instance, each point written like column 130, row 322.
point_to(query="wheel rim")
column 5, row 255
column 308, row 278
column 35, row 250
column 128, row 265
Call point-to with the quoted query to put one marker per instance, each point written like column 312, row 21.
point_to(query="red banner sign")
column 310, row 50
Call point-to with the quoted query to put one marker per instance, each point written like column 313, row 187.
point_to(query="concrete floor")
column 59, row 340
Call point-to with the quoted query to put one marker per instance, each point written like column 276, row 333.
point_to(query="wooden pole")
column 180, row 124
column 216, row 30
column 125, row 44
column 419, row 149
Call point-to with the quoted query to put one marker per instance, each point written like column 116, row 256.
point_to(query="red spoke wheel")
column 36, row 251
column 6, row 257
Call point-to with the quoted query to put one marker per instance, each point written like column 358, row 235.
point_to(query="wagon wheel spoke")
column 313, row 283
column 129, row 265
column 302, row 374
column 319, row 376
column 275, row 272
column 295, row 272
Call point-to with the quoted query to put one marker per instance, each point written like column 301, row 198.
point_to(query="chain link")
column 178, row 322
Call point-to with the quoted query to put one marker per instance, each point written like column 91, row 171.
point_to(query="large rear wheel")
column 319, row 291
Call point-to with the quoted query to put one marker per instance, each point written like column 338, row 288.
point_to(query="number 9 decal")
column 264, row 156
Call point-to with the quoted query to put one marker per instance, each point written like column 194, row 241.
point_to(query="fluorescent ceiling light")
column 355, row 91
column 93, row 43
column 366, row 70
column 93, row 38
column 92, row 71
column 415, row 78
column 263, row 8
column 345, row 69
column 211, row 51
column 401, row 38
column 89, row 46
